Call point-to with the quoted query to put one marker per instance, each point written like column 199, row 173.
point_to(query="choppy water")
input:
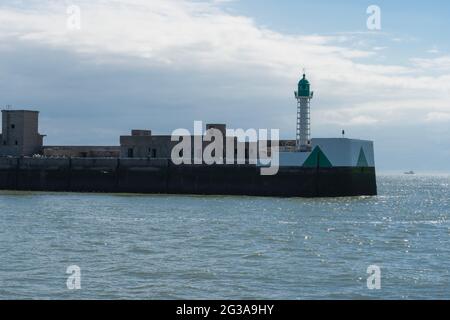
column 180, row 247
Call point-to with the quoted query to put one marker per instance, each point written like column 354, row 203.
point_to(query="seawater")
column 194, row 247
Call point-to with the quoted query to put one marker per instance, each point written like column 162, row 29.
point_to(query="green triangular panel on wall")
column 362, row 161
column 317, row 159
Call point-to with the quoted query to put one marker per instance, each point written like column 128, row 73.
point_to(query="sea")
column 119, row 246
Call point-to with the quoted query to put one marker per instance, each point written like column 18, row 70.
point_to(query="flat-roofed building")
column 20, row 133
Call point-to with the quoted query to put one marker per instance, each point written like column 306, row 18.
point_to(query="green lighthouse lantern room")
column 304, row 87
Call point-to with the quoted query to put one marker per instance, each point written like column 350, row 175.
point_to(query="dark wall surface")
column 161, row 176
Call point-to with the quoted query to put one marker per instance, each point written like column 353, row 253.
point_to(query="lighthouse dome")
column 304, row 87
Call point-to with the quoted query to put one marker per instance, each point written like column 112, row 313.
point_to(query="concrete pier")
column 156, row 176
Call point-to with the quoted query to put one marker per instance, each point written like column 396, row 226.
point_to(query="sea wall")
column 161, row 176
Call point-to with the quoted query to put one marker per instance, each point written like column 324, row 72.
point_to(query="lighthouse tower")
column 303, row 96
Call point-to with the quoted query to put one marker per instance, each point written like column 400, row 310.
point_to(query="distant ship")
column 410, row 172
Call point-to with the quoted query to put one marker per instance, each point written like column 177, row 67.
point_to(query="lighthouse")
column 303, row 97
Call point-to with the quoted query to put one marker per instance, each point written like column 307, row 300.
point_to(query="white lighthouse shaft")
column 303, row 124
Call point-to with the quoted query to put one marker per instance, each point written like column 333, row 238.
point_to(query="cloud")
column 438, row 117
column 434, row 50
column 161, row 64
column 441, row 63
column 181, row 33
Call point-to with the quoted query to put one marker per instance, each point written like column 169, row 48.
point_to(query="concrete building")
column 143, row 144
column 20, row 134
column 332, row 152
column 138, row 145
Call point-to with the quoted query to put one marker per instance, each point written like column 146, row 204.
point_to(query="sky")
column 99, row 69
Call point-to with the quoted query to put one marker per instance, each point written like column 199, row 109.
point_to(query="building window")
column 152, row 153
column 130, row 153
column 17, row 142
column 13, row 126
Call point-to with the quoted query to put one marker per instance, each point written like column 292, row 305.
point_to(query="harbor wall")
column 161, row 176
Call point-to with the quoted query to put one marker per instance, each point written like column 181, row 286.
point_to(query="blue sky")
column 423, row 24
column 424, row 19
column 161, row 64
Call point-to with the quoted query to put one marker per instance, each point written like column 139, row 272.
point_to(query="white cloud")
column 185, row 35
column 434, row 50
column 441, row 63
column 438, row 117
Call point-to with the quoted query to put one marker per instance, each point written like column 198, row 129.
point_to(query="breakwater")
column 161, row 176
